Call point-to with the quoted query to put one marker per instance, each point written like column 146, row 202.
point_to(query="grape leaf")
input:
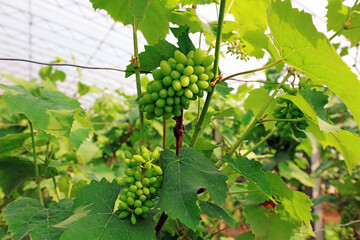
column 223, row 89
column 276, row 221
column 246, row 236
column 183, row 176
column 214, row 211
column 95, row 216
column 255, row 102
column 151, row 57
column 252, row 170
column 153, row 19
column 27, row 217
column 12, row 143
column 184, row 42
column 190, row 19
column 52, row 112
column 337, row 16
column 318, row 99
column 310, row 52
column 291, row 170
column 197, row 2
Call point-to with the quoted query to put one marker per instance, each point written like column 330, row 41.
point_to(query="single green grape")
column 184, row 81
column 165, row 68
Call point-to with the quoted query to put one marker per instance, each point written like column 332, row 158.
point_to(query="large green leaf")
column 95, row 216
column 183, row 176
column 184, row 42
column 214, row 211
column 151, row 57
column 190, row 19
column 291, row 170
column 27, row 217
column 276, row 221
column 307, row 50
column 337, row 16
column 252, row 170
column 52, row 112
column 12, row 143
column 152, row 17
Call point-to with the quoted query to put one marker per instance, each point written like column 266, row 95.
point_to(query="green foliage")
column 214, row 211
column 26, row 217
column 95, row 216
column 183, row 176
column 11, row 143
column 52, row 112
column 297, row 40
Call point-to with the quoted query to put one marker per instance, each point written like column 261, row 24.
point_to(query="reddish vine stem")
column 179, row 130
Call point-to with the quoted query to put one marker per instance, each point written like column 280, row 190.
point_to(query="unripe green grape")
column 294, row 91
column 184, row 81
column 152, row 190
column 177, row 107
column 139, row 192
column 130, row 194
column 190, row 62
column 149, row 203
column 133, row 219
column 176, row 100
column 280, row 100
column 186, row 106
column 145, row 181
column 176, row 85
column 177, row 112
column 147, row 98
column 128, row 154
column 127, row 161
column 167, row 115
column 123, row 214
column 202, row 84
column 168, row 109
column 130, row 201
column 194, row 88
column 130, row 179
column 180, row 67
column 145, row 209
column 160, row 103
column 133, row 188
column 171, row 92
column 137, row 175
column 138, row 158
column 299, row 134
column 184, row 100
column 146, row 191
column 163, row 93
column 301, row 126
column 165, row 68
column 123, row 205
column 208, row 60
column 295, row 114
column 150, row 115
column 149, row 87
column 146, row 156
column 156, row 86
column 170, row 101
column 133, row 163
column 190, row 54
column 193, row 78
column 198, row 56
column 154, row 96
column 157, row 185
column 199, row 70
column 148, row 165
column 157, row 74
column 155, row 154
column 203, row 77
column 141, row 101
column 201, row 93
column 210, row 75
column 188, row 93
column 125, row 190
column 129, row 172
column 158, row 111
column 287, row 126
column 123, row 197
column 138, row 184
column 278, row 109
column 149, row 108
column 281, row 124
column 209, row 89
column 148, row 173
column 137, row 203
column 152, row 180
column 175, row 74
column 180, row 57
column 180, row 93
column 289, row 116
column 188, row 71
column 209, row 68
column 277, row 115
column 167, row 81
column 142, row 197
column 172, row 62
column 138, row 211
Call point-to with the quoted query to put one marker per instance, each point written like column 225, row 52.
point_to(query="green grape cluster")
column 290, row 111
column 176, row 82
column 141, row 186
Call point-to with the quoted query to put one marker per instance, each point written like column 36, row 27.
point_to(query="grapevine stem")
column 259, row 143
column 258, row 116
column 284, row 120
column 37, row 176
column 199, row 124
column 138, row 82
